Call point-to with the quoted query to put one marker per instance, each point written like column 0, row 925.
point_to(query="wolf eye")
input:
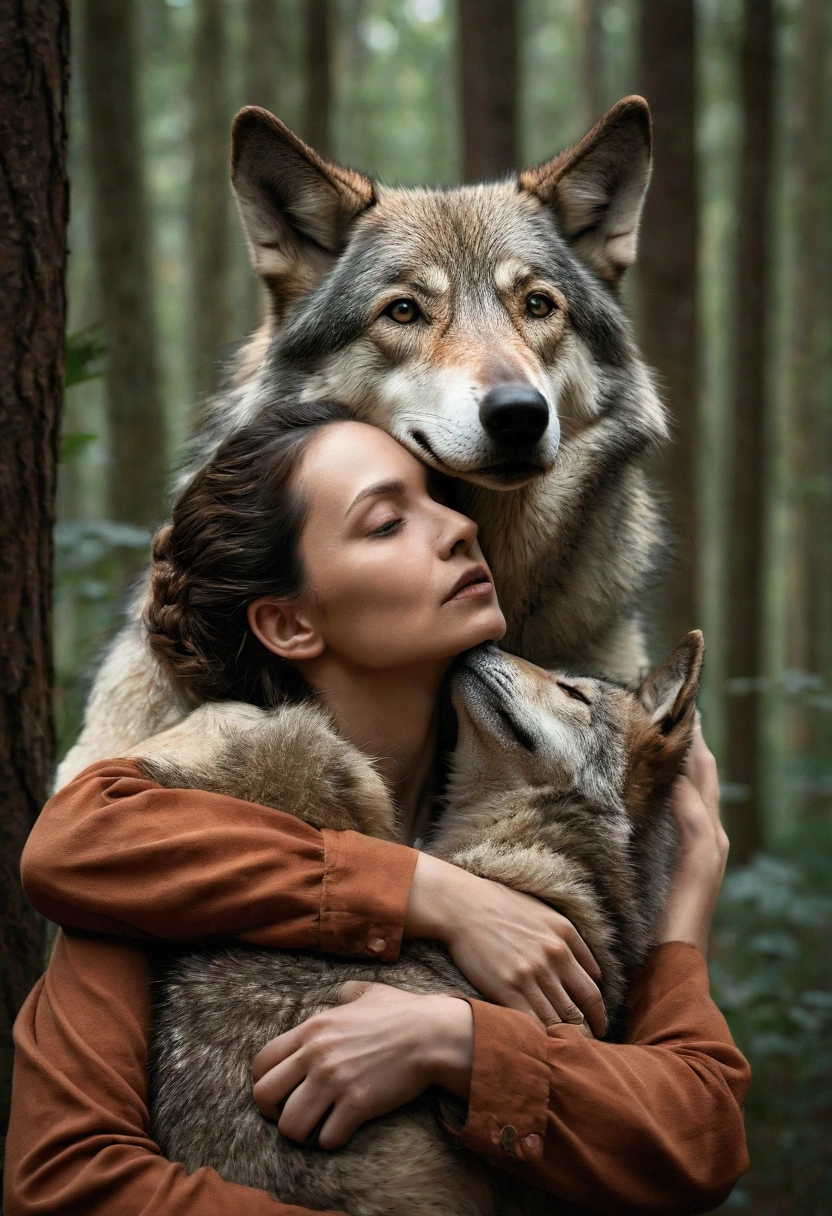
column 403, row 312
column 574, row 693
column 538, row 305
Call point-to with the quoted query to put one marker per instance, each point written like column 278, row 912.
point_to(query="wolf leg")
column 131, row 699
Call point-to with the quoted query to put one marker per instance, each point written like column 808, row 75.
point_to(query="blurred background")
column 731, row 298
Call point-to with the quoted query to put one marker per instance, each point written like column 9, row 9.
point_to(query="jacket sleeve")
column 114, row 852
column 79, row 1142
column 651, row 1125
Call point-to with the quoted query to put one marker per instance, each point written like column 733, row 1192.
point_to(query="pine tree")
column 34, row 49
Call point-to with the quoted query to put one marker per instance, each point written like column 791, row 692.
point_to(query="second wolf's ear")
column 296, row 208
column 669, row 694
column 597, row 188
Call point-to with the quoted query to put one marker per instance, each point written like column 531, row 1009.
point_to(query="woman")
column 380, row 584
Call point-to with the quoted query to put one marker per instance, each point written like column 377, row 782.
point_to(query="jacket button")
column 508, row 1137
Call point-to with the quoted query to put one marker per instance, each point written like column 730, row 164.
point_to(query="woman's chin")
column 489, row 627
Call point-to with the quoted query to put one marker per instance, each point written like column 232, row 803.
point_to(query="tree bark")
column 749, row 466
column 210, row 197
column 317, row 123
column 808, row 428
column 138, row 457
column 34, row 72
column 668, row 282
column 592, row 61
column 488, row 42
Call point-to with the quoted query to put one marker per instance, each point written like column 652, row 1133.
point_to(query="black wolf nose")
column 514, row 414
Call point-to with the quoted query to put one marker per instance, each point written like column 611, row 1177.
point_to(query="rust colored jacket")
column 650, row 1126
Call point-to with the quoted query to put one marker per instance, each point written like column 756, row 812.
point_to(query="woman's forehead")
column 346, row 458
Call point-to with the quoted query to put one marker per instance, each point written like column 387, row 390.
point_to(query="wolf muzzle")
column 514, row 415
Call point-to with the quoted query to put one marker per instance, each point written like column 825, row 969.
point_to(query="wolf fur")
column 567, row 522
column 558, row 787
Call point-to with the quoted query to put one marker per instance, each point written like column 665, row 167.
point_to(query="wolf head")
column 480, row 326
column 617, row 748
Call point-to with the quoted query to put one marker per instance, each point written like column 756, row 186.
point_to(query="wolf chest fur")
column 481, row 327
column 558, row 787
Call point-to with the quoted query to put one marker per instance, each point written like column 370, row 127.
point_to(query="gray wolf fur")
column 565, row 515
column 558, row 786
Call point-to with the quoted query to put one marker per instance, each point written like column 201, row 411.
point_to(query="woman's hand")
column 515, row 949
column 703, row 850
column 381, row 1048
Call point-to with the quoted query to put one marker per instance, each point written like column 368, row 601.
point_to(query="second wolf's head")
column 582, row 765
column 522, row 726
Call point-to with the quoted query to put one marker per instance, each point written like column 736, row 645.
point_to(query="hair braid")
column 234, row 537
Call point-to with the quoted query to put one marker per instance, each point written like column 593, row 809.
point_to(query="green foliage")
column 770, row 971
column 83, row 355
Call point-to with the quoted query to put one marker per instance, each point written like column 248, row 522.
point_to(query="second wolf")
column 558, row 787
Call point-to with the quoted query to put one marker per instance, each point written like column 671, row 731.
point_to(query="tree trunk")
column 138, row 457
column 266, row 62
column 488, row 43
column 592, row 61
column 806, row 625
column 668, row 282
column 210, row 199
column 266, row 54
column 317, row 123
column 34, row 72
column 749, row 465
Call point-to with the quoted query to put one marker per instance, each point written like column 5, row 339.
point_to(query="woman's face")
column 394, row 576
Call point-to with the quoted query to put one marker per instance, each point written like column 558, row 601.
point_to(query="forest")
column 731, row 299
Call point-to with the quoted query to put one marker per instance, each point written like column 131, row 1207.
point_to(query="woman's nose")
column 461, row 535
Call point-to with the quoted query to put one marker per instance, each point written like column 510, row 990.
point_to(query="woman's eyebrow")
column 381, row 487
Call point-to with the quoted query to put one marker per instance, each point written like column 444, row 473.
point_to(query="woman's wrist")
column 449, row 1038
column 430, row 904
column 691, row 900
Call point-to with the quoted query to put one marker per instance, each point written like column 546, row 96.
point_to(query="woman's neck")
column 390, row 716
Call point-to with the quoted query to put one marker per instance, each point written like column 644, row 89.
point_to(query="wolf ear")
column 597, row 188
column 669, row 694
column 296, row 208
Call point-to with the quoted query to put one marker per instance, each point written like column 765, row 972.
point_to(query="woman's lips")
column 473, row 585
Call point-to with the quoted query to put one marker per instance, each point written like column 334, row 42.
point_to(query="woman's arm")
column 79, row 1139
column 114, row 852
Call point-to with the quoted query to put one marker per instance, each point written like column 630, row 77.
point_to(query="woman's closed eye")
column 389, row 527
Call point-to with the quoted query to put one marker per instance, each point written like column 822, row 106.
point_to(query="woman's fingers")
column 343, row 1121
column 583, row 955
column 305, row 1107
column 275, row 1051
column 577, row 999
column 273, row 1086
column 701, row 768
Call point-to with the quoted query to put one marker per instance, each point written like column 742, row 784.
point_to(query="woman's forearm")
column 79, row 1134
column 653, row 1125
column 114, row 852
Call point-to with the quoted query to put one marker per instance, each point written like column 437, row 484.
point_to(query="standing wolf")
column 482, row 328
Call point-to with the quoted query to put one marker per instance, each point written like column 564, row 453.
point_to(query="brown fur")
column 546, row 794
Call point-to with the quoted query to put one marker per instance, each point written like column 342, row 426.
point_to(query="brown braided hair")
column 233, row 537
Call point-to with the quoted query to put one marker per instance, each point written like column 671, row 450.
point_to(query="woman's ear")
column 285, row 628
